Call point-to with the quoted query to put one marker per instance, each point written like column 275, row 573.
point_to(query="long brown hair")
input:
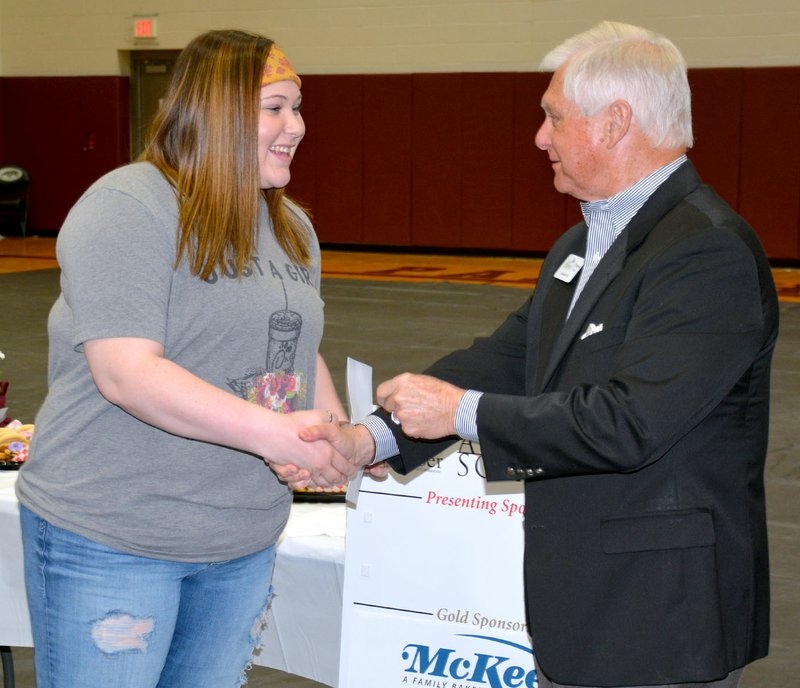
column 204, row 140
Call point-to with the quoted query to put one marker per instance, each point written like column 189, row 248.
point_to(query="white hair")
column 613, row 61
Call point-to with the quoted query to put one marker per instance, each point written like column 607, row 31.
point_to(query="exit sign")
column 145, row 27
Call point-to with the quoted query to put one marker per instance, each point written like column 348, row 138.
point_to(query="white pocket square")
column 592, row 329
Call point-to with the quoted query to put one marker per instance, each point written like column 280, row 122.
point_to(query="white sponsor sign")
column 433, row 590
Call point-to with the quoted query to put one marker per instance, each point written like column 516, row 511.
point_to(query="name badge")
column 569, row 268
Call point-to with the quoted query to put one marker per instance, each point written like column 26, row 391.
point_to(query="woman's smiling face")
column 280, row 129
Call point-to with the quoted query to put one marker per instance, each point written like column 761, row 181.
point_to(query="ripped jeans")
column 102, row 617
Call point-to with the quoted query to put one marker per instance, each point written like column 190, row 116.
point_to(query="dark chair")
column 14, row 182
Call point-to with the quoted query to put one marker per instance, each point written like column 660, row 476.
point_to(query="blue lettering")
column 455, row 666
column 514, row 676
column 483, row 669
column 422, row 655
column 484, row 672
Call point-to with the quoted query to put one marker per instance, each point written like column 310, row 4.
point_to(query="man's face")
column 574, row 143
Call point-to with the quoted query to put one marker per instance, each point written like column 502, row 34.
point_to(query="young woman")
column 183, row 362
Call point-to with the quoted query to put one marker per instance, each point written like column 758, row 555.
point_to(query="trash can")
column 14, row 182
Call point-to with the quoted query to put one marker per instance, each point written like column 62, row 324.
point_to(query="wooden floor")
column 410, row 301
column 35, row 253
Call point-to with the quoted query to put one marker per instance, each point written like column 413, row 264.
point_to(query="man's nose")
column 542, row 138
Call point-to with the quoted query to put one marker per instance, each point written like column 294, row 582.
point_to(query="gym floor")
column 401, row 311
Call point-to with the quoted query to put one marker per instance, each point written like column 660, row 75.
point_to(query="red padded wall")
column 387, row 159
column 487, row 159
column 66, row 132
column 430, row 160
column 3, row 158
column 717, row 122
column 436, row 160
column 770, row 160
column 338, row 156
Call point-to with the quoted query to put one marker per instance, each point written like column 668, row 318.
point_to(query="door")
column 150, row 74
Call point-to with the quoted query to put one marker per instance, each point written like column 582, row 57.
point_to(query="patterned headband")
column 278, row 68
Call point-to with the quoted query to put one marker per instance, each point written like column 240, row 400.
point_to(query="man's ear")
column 618, row 123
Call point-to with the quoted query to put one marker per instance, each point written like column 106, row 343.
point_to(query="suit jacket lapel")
column 609, row 267
column 558, row 334
column 556, row 304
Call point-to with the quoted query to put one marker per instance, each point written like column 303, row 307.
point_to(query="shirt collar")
column 625, row 204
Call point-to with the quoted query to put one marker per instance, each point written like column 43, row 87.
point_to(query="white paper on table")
column 359, row 398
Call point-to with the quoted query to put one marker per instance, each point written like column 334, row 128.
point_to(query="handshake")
column 333, row 451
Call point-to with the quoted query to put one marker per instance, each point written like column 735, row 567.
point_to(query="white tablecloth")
column 304, row 627
column 15, row 628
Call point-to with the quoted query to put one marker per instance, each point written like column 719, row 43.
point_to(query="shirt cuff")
column 467, row 415
column 466, row 427
column 385, row 443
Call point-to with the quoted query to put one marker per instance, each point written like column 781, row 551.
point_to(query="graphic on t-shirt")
column 277, row 386
column 284, row 331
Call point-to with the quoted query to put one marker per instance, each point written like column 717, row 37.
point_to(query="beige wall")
column 84, row 37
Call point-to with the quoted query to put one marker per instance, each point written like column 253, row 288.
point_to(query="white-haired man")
column 631, row 392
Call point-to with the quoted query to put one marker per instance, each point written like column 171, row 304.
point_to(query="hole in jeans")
column 120, row 632
column 259, row 624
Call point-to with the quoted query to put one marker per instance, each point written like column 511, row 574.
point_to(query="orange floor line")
column 511, row 272
column 37, row 253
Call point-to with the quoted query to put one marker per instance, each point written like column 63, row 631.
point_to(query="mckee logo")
column 446, row 668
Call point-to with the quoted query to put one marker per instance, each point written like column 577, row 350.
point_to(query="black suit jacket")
column 642, row 445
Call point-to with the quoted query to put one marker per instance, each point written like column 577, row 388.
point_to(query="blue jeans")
column 102, row 617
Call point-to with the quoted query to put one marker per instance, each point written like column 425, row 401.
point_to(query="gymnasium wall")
column 420, row 115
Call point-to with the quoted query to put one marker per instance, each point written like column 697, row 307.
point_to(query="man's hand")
column 351, row 441
column 424, row 406
column 295, row 459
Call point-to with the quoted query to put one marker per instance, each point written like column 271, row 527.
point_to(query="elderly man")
column 630, row 393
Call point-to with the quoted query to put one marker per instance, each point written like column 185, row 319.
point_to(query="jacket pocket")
column 675, row 529
column 609, row 336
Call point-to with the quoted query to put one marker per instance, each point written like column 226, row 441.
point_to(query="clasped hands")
column 423, row 406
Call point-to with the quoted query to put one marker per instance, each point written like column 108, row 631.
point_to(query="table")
column 304, row 624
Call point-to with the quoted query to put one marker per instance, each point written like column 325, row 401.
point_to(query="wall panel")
column 67, row 132
column 487, row 130
column 436, row 165
column 387, row 140
column 338, row 155
column 770, row 160
column 3, row 158
column 717, row 104
column 445, row 161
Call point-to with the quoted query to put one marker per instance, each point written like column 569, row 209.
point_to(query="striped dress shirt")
column 606, row 220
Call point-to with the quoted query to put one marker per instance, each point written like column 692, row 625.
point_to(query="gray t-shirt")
column 98, row 471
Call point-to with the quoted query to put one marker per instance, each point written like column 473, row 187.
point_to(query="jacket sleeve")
column 495, row 363
column 677, row 340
